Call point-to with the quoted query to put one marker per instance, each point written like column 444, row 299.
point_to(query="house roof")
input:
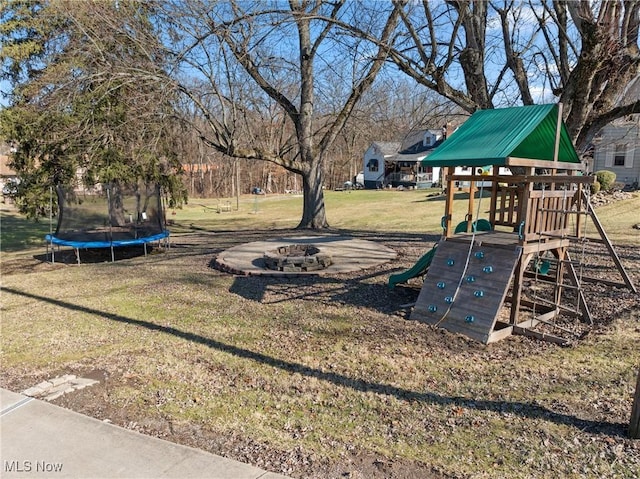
column 410, row 157
column 412, row 147
column 387, row 148
column 494, row 137
column 414, row 143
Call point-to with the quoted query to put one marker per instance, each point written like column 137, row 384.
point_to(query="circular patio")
column 347, row 255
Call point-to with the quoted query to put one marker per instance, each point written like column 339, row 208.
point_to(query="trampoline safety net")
column 109, row 213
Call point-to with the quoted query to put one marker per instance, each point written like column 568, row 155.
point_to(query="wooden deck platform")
column 508, row 240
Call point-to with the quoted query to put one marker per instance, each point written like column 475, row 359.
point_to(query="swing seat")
column 542, row 266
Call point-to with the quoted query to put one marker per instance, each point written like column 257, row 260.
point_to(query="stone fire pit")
column 346, row 255
column 296, row 258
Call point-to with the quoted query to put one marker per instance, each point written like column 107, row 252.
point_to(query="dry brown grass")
column 321, row 377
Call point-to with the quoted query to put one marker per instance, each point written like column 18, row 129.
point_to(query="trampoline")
column 108, row 216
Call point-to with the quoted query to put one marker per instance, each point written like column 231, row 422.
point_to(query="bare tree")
column 70, row 107
column 507, row 52
column 246, row 65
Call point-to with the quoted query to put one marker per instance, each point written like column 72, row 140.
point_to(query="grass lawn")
column 321, row 376
column 365, row 210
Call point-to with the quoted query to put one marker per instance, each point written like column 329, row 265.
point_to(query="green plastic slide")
column 417, row 269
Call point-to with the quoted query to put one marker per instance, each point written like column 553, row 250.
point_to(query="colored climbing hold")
column 433, row 308
column 478, row 294
column 441, row 285
column 448, row 299
column 488, row 269
column 471, row 279
column 470, row 318
column 450, row 262
column 479, row 254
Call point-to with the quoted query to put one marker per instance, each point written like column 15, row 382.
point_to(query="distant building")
column 399, row 163
column 617, row 149
column 8, row 177
column 394, row 164
column 617, row 146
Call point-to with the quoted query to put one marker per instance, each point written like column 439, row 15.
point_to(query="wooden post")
column 494, row 197
column 524, row 206
column 634, row 424
column 472, row 193
column 448, row 210
column 516, row 293
column 560, row 253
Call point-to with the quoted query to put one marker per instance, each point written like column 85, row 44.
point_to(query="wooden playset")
column 535, row 214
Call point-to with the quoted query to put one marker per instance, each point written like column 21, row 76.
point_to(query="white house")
column 617, row 149
column 8, row 177
column 617, row 146
column 398, row 164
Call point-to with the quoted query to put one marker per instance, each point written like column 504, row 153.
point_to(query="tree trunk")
column 116, row 205
column 313, row 210
column 472, row 56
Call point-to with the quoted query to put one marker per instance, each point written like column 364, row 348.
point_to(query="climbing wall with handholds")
column 466, row 300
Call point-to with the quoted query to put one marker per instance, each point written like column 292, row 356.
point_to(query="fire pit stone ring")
column 296, row 258
column 335, row 254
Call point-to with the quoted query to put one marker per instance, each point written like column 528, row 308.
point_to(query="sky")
column 4, row 87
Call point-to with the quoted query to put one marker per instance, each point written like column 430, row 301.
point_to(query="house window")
column 619, row 155
column 373, row 165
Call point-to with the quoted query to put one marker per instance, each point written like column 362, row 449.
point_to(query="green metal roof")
column 489, row 137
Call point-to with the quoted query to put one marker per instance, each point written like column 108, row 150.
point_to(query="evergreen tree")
column 73, row 106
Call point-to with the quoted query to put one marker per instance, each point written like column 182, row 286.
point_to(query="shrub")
column 595, row 187
column 606, row 179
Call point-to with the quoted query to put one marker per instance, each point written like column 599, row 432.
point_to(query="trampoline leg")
column 145, row 249
column 78, row 255
column 113, row 258
column 53, row 253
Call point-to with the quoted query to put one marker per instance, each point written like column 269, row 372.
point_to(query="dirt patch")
column 28, row 265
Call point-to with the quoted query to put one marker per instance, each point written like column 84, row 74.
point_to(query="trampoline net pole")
column 109, row 213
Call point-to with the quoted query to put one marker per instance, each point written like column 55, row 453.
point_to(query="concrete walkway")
column 39, row 439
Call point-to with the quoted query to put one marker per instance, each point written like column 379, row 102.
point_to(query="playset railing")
column 537, row 207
